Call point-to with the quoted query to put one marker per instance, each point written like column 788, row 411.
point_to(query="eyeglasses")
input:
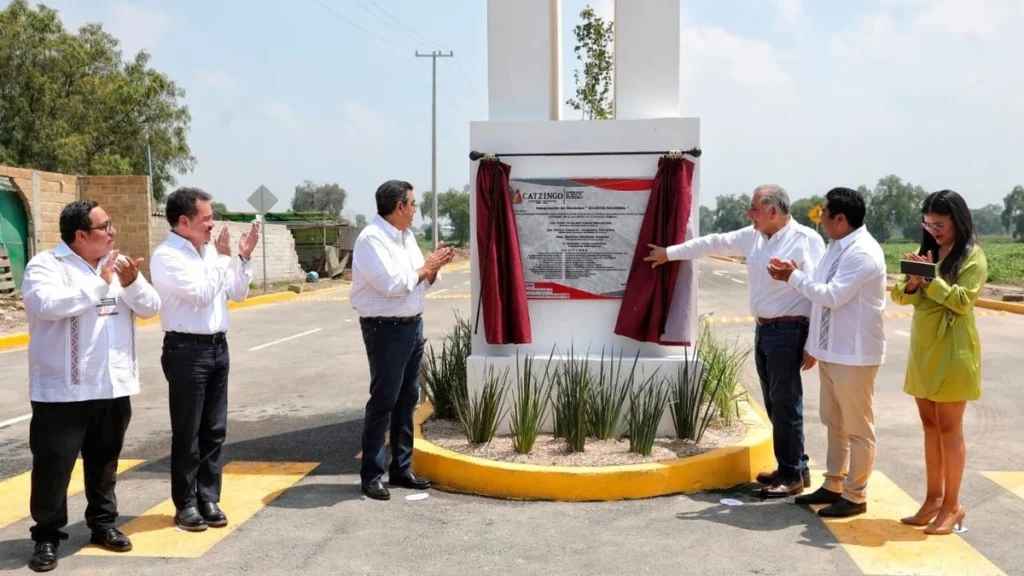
column 106, row 227
column 934, row 226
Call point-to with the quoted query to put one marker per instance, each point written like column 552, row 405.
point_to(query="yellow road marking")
column 882, row 546
column 1012, row 481
column 248, row 487
column 16, row 492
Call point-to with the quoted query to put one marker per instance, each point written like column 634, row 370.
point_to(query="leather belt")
column 393, row 319
column 767, row 321
column 200, row 338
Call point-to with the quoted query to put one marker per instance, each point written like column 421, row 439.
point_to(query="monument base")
column 479, row 366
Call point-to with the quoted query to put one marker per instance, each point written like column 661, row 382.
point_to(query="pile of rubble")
column 12, row 314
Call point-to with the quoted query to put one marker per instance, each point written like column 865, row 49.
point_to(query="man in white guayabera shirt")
column 390, row 277
column 848, row 290
column 81, row 299
column 782, row 321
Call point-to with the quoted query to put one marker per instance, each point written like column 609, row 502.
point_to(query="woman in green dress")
column 944, row 369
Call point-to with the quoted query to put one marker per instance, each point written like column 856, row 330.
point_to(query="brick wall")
column 282, row 260
column 127, row 201
column 55, row 191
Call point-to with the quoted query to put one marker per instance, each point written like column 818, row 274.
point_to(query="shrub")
column 444, row 375
column 481, row 414
column 694, row 382
column 725, row 361
column 529, row 405
column 647, row 404
column 607, row 397
column 573, row 383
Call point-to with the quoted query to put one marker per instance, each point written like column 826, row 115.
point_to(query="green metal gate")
column 13, row 236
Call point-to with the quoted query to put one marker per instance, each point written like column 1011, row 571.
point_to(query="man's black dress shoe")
column 190, row 519
column 213, row 514
column 819, row 496
column 409, row 481
column 44, row 558
column 111, row 539
column 376, row 490
column 842, row 508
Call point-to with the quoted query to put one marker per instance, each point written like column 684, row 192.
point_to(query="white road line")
column 13, row 351
column 902, row 333
column 465, row 283
column 439, row 291
column 292, row 337
column 719, row 273
column 737, row 281
column 14, row 421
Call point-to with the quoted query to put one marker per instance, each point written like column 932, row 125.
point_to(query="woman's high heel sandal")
column 953, row 521
column 920, row 519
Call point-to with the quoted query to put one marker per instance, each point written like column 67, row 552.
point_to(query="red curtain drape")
column 502, row 287
column 648, row 295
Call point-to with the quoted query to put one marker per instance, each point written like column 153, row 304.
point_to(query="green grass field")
column 1005, row 259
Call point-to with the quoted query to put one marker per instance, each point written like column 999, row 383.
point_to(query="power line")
column 462, row 87
column 471, row 84
column 370, row 32
column 416, row 36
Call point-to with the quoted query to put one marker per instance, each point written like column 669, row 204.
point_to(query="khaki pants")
column 846, row 409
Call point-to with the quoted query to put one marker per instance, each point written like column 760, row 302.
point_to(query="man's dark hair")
column 75, row 217
column 847, row 202
column 390, row 194
column 182, row 202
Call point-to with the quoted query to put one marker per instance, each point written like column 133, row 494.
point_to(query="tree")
column 360, row 221
column 218, row 208
column 69, row 103
column 455, row 206
column 323, row 198
column 1013, row 213
column 988, row 220
column 707, row 220
column 731, row 212
column 895, row 205
column 594, row 82
column 801, row 209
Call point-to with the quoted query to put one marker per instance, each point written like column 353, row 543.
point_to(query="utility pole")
column 433, row 131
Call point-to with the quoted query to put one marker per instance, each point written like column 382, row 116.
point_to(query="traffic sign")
column 262, row 200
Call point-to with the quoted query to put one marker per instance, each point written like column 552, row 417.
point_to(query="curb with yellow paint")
column 721, row 468
column 20, row 340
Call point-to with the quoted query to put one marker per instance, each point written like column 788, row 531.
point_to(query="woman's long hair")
column 949, row 203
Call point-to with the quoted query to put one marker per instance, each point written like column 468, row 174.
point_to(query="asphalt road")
column 299, row 380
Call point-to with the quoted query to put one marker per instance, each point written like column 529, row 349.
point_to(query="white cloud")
column 743, row 62
column 283, row 117
column 789, row 11
column 138, row 27
column 216, row 80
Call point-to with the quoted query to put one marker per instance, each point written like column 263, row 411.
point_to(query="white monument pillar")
column 647, row 43
column 524, row 62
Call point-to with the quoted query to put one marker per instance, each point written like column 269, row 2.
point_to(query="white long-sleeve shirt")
column 82, row 330
column 848, row 292
column 768, row 298
column 195, row 287
column 385, row 277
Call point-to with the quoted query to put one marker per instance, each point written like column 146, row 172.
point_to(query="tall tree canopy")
column 69, row 103
column 324, row 198
column 594, row 82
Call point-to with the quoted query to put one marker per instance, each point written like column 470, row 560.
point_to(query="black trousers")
column 58, row 433
column 394, row 350
column 196, row 368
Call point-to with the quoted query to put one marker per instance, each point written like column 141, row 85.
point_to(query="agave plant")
column 723, row 359
column 481, row 414
column 530, row 404
column 573, row 383
column 608, row 396
column 647, row 404
column 694, row 381
column 444, row 375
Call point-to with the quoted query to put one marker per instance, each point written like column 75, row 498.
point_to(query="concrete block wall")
column 282, row 260
column 55, row 192
column 127, row 201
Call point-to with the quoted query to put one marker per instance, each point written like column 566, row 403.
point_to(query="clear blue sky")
column 806, row 94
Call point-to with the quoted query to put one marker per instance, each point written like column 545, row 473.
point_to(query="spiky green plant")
column 647, row 404
column 444, row 375
column 608, row 396
column 574, row 380
column 530, row 404
column 481, row 414
column 725, row 361
column 691, row 414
